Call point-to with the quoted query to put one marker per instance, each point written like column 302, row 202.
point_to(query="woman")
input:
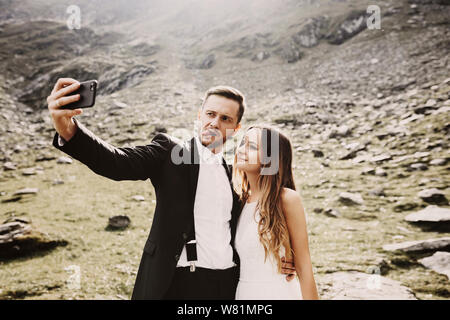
column 272, row 223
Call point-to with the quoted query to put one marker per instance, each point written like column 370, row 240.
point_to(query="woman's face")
column 247, row 154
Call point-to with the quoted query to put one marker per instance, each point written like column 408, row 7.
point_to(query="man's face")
column 218, row 119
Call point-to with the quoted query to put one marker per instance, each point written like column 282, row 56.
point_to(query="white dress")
column 259, row 280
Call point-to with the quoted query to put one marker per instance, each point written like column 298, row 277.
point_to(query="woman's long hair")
column 272, row 227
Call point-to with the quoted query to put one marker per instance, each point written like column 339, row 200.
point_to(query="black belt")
column 209, row 272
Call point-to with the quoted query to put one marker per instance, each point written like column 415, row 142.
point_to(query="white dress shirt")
column 212, row 213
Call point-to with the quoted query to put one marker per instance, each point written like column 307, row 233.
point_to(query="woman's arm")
column 296, row 223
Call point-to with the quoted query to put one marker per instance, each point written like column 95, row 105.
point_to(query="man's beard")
column 216, row 143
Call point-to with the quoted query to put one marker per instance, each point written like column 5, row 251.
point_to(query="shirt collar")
column 206, row 156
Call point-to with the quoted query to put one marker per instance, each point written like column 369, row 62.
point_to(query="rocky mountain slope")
column 367, row 111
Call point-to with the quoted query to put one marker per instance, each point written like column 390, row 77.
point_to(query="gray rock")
column 145, row 49
column 433, row 196
column 430, row 103
column 431, row 213
column 380, row 158
column 64, row 160
column 9, row 166
column 349, row 155
column 332, row 213
column 419, row 155
column 19, row 238
column 19, row 148
column 355, row 285
column 349, row 198
column 377, row 192
column 261, row 56
column 418, row 166
column 138, row 198
column 29, row 172
column 26, row 191
column 45, row 157
column 57, row 181
column 438, row 162
column 380, row 172
column 405, row 206
column 310, row 35
column 119, row 105
column 342, row 131
column 317, row 153
column 439, row 262
column 118, row 222
column 290, row 52
column 368, row 170
column 114, row 80
column 420, row 245
column 352, row 24
column 206, row 62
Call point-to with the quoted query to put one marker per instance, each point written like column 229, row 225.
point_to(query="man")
column 189, row 252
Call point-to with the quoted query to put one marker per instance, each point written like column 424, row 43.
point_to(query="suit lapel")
column 193, row 167
column 227, row 169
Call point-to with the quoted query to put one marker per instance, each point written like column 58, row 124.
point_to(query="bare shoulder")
column 292, row 202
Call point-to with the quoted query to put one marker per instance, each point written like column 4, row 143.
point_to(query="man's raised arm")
column 73, row 138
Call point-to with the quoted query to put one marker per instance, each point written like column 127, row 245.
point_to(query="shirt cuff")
column 61, row 141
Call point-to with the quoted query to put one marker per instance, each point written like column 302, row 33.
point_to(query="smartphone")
column 87, row 91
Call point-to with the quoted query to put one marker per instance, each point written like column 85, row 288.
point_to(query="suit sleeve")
column 127, row 163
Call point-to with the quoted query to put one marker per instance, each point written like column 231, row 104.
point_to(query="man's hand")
column 62, row 119
column 288, row 268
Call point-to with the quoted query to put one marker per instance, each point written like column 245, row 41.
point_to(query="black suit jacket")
column 175, row 187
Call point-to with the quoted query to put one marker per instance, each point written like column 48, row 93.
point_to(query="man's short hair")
column 230, row 93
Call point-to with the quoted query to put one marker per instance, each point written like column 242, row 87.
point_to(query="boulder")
column 380, row 158
column 354, row 285
column 317, row 153
column 261, row 56
column 64, row 160
column 118, row 222
column 432, row 217
column 333, row 213
column 18, row 238
column 350, row 26
column 138, row 198
column 9, row 166
column 438, row 244
column 438, row 162
column 431, row 213
column 205, row 62
column 290, row 52
column 439, row 262
column 349, row 198
column 433, row 196
column 26, row 191
column 311, row 33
